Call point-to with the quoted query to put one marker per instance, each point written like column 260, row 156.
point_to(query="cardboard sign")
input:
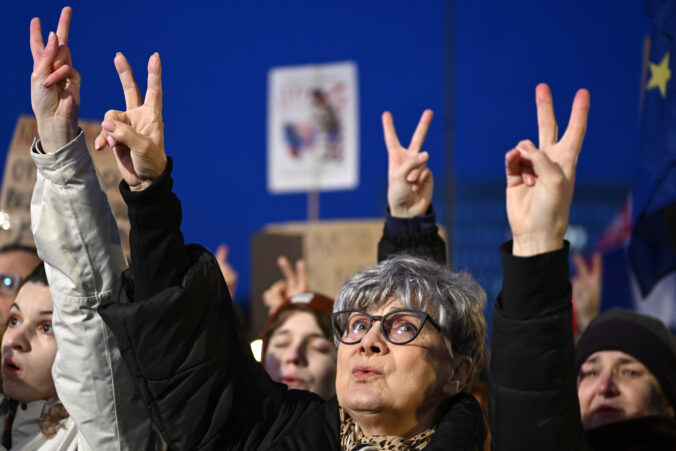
column 20, row 176
column 333, row 251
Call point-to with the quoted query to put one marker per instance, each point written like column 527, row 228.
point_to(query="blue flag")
column 651, row 253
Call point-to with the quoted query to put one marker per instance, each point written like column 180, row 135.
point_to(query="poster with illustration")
column 313, row 136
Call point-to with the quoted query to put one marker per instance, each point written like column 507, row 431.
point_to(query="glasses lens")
column 402, row 327
column 352, row 326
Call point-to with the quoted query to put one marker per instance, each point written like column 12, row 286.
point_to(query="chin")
column 362, row 399
column 597, row 421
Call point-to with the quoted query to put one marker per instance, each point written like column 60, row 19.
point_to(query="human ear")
column 461, row 369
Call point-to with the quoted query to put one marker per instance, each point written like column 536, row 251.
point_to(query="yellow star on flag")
column 660, row 74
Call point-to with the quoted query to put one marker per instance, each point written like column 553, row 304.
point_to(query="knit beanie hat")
column 643, row 337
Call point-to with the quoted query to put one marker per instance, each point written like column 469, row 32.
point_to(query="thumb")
column 414, row 162
column 124, row 134
column 543, row 167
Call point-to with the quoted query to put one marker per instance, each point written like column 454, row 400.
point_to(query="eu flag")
column 651, row 253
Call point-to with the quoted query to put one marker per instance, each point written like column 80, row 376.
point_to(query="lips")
column 10, row 368
column 365, row 372
column 607, row 411
column 291, row 381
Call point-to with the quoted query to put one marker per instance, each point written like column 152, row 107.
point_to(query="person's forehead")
column 18, row 261
column 33, row 298
column 389, row 305
column 299, row 323
column 612, row 357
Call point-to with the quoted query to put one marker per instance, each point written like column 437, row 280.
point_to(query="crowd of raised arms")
column 101, row 355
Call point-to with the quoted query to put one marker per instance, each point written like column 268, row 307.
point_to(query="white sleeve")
column 77, row 237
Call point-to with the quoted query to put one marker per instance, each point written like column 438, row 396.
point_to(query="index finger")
column 301, row 273
column 547, row 128
column 580, row 264
column 64, row 25
column 36, row 43
column 391, row 139
column 577, row 125
column 222, row 253
column 285, row 266
column 421, row 131
column 154, row 91
column 132, row 95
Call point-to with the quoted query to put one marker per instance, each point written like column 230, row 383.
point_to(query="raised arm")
column 175, row 322
column 410, row 226
column 77, row 237
column 532, row 360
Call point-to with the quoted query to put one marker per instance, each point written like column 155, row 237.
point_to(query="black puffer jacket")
column 533, row 402
column 176, row 329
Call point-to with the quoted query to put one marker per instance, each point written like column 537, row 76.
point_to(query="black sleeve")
column 158, row 253
column 417, row 236
column 532, row 383
column 670, row 216
column 176, row 329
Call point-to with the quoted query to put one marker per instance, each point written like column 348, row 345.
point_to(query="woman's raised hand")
column 55, row 84
column 137, row 134
column 410, row 181
column 540, row 181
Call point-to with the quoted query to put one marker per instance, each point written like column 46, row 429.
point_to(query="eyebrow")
column 288, row 331
column 617, row 361
column 41, row 312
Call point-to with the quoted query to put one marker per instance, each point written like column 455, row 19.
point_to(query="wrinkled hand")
column 540, row 181
column 294, row 282
column 55, row 85
column 410, row 181
column 229, row 273
column 137, row 134
column 587, row 285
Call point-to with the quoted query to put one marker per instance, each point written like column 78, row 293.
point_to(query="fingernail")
column 108, row 126
column 422, row 156
column 51, row 36
column 111, row 141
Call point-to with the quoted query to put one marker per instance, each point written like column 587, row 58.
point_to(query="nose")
column 373, row 342
column 296, row 354
column 16, row 339
column 607, row 386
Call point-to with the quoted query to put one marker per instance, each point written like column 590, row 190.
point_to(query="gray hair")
column 454, row 299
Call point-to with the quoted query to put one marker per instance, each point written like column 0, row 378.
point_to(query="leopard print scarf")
column 353, row 439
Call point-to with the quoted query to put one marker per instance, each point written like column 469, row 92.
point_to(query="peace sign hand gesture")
column 55, row 85
column 410, row 181
column 540, row 181
column 137, row 134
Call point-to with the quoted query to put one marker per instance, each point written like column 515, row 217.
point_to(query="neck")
column 395, row 423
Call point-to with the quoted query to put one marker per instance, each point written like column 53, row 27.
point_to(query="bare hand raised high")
column 137, row 134
column 410, row 181
column 55, row 84
column 540, row 181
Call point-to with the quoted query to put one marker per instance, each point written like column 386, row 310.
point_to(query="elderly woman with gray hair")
column 409, row 331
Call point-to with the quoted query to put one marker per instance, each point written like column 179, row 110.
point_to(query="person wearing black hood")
column 616, row 389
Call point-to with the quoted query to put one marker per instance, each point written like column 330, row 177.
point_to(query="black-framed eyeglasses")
column 399, row 326
column 9, row 283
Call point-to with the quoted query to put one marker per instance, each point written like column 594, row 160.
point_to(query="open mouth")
column 9, row 368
